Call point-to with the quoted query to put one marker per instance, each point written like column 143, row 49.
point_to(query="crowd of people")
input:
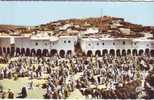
column 95, row 77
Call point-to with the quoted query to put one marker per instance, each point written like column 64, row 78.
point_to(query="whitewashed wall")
column 25, row 42
column 97, row 44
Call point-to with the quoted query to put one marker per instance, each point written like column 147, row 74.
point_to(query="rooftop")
column 104, row 27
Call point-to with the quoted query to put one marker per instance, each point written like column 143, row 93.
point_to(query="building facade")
column 62, row 45
column 30, row 46
column 117, row 46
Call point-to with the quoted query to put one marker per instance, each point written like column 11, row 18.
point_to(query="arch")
column 112, row 52
column 8, row 50
column 53, row 52
column 12, row 51
column 134, row 52
column 45, row 52
column 147, row 52
column 98, row 53
column 141, row 51
column 152, row 53
column 39, row 52
column 89, row 53
column 69, row 52
column 33, row 52
column 23, row 51
column 105, row 51
column 0, row 51
column 62, row 53
column 17, row 51
column 27, row 52
column 4, row 50
column 118, row 52
column 123, row 52
column 128, row 52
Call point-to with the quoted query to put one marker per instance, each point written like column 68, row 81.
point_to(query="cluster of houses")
column 91, row 41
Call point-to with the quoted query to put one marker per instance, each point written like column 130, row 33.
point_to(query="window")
column 36, row 43
column 123, row 42
column 135, row 43
column 102, row 43
column 89, row 44
column 65, row 41
column 113, row 43
column 69, row 41
column 46, row 44
column 97, row 43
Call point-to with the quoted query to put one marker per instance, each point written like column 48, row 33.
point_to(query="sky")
column 38, row 12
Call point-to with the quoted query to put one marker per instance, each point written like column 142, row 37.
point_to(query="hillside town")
column 93, row 58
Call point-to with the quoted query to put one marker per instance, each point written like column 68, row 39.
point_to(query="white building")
column 41, row 44
column 37, row 45
column 117, row 46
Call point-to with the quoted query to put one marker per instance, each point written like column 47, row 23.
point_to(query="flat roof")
column 133, row 39
column 52, row 38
